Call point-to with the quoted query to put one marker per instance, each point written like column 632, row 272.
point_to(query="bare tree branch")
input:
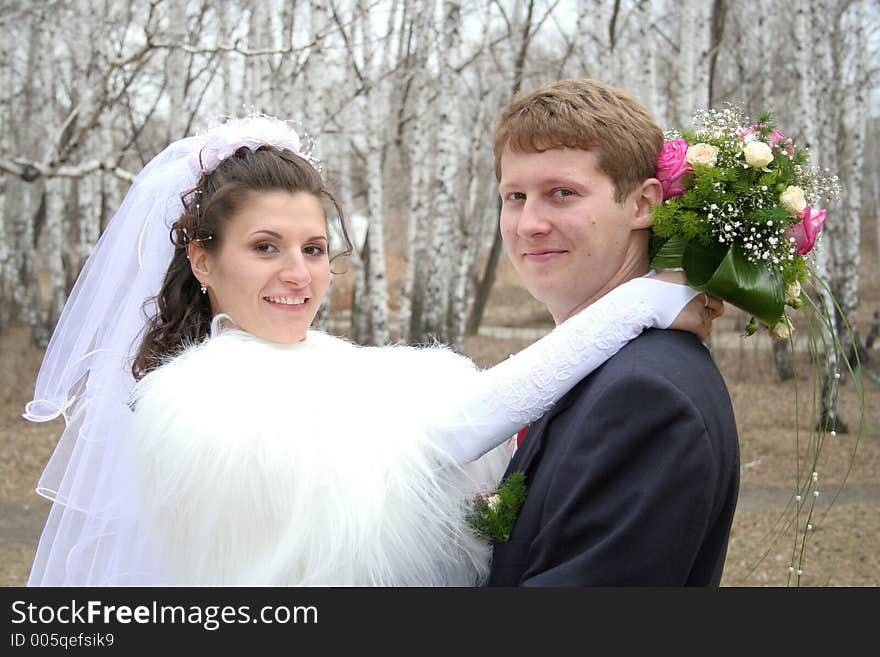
column 31, row 171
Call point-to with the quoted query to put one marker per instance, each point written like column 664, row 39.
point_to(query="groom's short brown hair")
column 588, row 115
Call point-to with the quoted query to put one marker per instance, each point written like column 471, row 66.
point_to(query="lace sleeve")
column 499, row 401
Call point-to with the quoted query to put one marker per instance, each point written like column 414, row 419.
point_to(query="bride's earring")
column 204, row 289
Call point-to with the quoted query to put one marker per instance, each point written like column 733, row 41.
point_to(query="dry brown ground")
column 841, row 550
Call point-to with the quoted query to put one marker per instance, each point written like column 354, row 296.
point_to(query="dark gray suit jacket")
column 632, row 477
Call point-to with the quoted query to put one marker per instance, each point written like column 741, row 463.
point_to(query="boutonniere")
column 493, row 514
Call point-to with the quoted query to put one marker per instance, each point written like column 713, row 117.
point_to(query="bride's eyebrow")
column 279, row 236
column 263, row 231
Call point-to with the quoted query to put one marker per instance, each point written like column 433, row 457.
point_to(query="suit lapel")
column 533, row 441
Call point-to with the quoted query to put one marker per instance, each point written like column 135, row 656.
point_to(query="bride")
column 213, row 438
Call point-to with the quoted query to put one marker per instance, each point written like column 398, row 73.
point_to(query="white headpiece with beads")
column 252, row 132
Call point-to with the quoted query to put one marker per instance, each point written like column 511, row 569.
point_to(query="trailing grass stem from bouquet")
column 851, row 367
column 818, row 326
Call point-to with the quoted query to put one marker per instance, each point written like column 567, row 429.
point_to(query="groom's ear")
column 647, row 194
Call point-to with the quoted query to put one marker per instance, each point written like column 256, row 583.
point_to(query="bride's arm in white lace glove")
column 499, row 401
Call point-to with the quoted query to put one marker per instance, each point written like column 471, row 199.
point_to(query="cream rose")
column 783, row 329
column 793, row 291
column 705, row 154
column 758, row 154
column 793, row 200
column 493, row 502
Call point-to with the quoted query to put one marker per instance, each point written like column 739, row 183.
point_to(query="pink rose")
column 672, row 167
column 807, row 230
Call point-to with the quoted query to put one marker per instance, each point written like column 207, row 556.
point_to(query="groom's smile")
column 540, row 256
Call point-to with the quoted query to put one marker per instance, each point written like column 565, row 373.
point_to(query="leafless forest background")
column 400, row 96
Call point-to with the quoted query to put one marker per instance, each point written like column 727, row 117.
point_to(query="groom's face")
column 566, row 235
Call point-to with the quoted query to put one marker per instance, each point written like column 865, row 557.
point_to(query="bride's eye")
column 266, row 248
column 314, row 250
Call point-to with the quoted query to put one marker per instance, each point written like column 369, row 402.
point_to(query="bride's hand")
column 698, row 315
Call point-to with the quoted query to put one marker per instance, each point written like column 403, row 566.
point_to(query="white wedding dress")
column 327, row 463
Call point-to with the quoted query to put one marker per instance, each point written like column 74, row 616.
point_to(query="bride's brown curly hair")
column 184, row 313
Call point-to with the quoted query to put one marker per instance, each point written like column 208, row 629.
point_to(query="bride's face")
column 272, row 268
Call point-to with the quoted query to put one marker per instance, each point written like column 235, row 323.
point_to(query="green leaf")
column 670, row 254
column 755, row 288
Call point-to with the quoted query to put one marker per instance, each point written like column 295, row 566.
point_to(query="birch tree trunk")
column 445, row 240
column 521, row 38
column 19, row 207
column 782, row 356
column 53, row 244
column 176, row 72
column 694, row 32
column 813, row 73
column 765, row 39
column 225, row 20
column 285, row 86
column 600, row 33
column 315, row 78
column 374, row 98
column 5, row 292
column 313, row 103
column 717, row 20
column 458, row 303
column 10, row 189
column 257, row 69
column 646, row 59
column 581, row 50
column 807, row 120
column 851, row 142
column 478, row 225
column 421, row 172
column 90, row 206
column 688, row 42
column 359, row 316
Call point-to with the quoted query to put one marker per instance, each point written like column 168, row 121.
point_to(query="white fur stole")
column 305, row 464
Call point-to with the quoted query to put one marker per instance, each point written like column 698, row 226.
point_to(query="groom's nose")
column 532, row 220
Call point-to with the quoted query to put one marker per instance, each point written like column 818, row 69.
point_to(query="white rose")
column 793, row 200
column 493, row 502
column 705, row 154
column 758, row 154
column 793, row 291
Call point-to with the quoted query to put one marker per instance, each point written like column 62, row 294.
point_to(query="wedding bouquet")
column 740, row 216
column 739, row 213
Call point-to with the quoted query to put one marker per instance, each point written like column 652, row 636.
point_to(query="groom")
column 632, row 476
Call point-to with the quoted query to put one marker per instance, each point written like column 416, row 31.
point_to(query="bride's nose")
column 294, row 271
